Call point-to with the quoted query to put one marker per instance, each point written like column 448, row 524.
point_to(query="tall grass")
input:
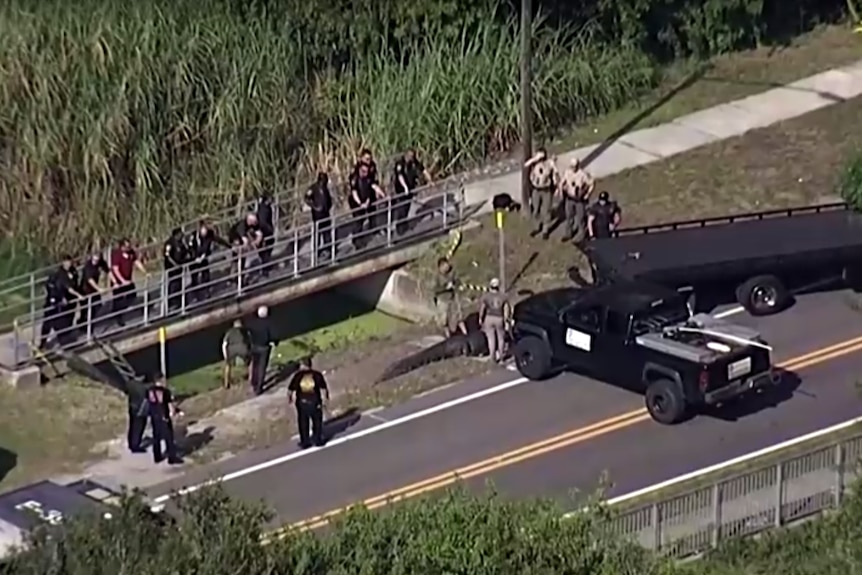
column 124, row 118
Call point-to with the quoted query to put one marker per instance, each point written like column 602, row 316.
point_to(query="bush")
column 850, row 186
column 454, row 533
column 124, row 117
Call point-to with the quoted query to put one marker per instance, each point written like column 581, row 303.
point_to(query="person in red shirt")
column 124, row 260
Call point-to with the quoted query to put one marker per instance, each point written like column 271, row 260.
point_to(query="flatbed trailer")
column 759, row 258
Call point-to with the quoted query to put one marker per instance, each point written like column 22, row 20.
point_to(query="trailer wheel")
column 763, row 295
column 532, row 358
column 665, row 402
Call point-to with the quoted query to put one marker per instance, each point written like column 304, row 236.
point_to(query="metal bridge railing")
column 751, row 502
column 297, row 253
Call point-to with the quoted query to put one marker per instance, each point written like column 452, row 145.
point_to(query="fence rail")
column 160, row 297
column 750, row 502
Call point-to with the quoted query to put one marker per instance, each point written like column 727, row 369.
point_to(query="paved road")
column 575, row 429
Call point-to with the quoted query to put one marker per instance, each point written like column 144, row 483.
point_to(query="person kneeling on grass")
column 235, row 349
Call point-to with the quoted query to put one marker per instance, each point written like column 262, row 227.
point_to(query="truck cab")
column 642, row 337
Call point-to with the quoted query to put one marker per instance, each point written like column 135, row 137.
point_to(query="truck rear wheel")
column 532, row 358
column 763, row 295
column 665, row 402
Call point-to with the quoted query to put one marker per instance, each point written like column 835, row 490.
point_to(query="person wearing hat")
column 261, row 341
column 543, row 180
column 494, row 313
column 604, row 217
column 162, row 411
column 575, row 187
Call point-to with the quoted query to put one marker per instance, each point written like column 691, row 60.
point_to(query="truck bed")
column 828, row 231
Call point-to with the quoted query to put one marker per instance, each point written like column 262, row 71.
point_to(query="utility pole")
column 526, row 97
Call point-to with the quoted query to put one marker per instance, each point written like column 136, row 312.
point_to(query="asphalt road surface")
column 549, row 438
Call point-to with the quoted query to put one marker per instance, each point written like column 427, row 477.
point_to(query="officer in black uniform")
column 61, row 294
column 266, row 220
column 366, row 158
column 91, row 288
column 247, row 237
column 262, row 340
column 319, row 199
column 364, row 193
column 176, row 257
column 309, row 392
column 604, row 217
column 162, row 410
column 200, row 246
column 138, row 413
column 409, row 173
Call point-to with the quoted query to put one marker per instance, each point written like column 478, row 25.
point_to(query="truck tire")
column 763, row 295
column 665, row 402
column 532, row 358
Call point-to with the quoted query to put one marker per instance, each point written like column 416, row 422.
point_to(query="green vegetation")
column 850, row 187
column 456, row 532
column 121, row 117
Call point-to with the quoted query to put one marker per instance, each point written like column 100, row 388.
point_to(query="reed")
column 126, row 118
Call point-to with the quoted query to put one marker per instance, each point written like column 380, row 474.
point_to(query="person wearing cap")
column 543, row 179
column 61, row 296
column 176, row 257
column 575, row 187
column 235, row 349
column 446, row 299
column 604, row 217
column 261, row 341
column 494, row 312
column 162, row 411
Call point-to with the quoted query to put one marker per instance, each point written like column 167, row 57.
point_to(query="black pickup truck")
column 641, row 336
column 757, row 258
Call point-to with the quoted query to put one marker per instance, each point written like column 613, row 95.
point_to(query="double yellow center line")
column 537, row 449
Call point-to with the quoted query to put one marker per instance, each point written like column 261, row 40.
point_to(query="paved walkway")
column 629, row 151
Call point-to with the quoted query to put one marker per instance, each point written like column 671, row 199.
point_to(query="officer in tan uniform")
column 543, row 178
column 576, row 186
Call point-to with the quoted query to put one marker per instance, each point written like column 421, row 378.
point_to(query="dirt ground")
column 52, row 430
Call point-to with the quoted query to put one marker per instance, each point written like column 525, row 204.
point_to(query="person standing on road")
column 308, row 391
column 447, row 300
column 494, row 313
column 543, row 178
column 604, row 217
column 261, row 340
column 162, row 411
column 576, row 186
column 124, row 261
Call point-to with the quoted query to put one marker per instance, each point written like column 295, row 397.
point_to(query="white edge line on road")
column 729, row 463
column 162, row 499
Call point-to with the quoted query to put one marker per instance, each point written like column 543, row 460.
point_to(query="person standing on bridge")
column 200, row 247
column 319, row 200
column 410, row 172
column 262, row 340
column 61, row 293
column 308, row 391
column 124, row 261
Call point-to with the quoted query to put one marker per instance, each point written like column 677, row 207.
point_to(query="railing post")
column 445, row 209
column 779, row 492
column 89, row 300
column 147, row 299
column 16, row 342
column 461, row 202
column 295, row 252
column 163, row 295
column 715, row 535
column 239, row 262
column 183, row 289
column 332, row 236
column 656, row 526
column 33, row 308
column 839, row 474
column 276, row 216
column 314, row 242
column 388, row 221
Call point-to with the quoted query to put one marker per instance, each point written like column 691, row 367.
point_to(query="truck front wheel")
column 665, row 402
column 532, row 358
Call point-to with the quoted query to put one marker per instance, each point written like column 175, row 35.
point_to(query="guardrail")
column 314, row 248
column 786, row 490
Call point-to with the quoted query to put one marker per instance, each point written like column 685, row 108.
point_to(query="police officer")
column 176, row 257
column 409, row 173
column 162, row 410
column 604, row 217
column 235, row 349
column 61, row 294
column 494, row 314
column 366, row 158
column 308, row 391
column 319, row 199
column 265, row 213
column 200, row 246
column 261, row 340
column 91, row 288
column 139, row 410
column 446, row 299
column 576, row 186
column 543, row 178
column 246, row 236
column 364, row 192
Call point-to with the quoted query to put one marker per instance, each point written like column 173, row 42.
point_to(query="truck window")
column 617, row 324
column 587, row 319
